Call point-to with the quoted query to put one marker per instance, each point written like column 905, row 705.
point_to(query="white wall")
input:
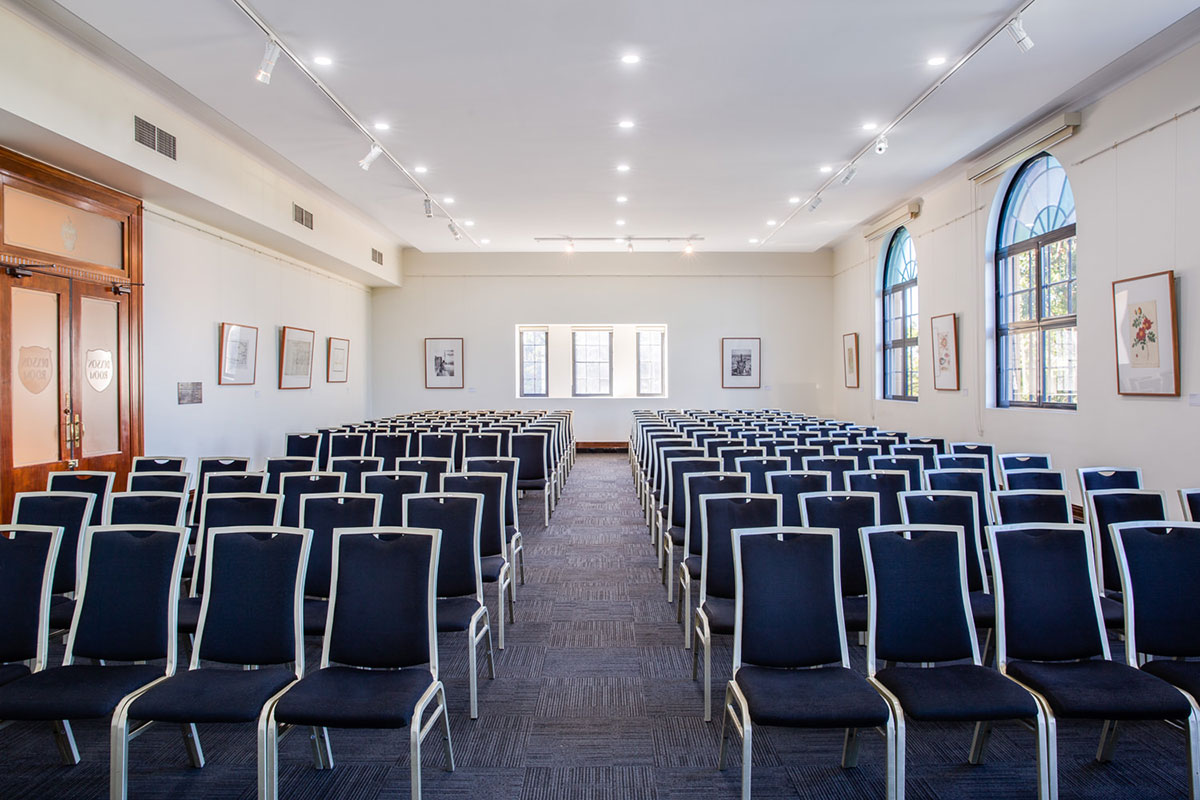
column 784, row 299
column 197, row 278
column 1137, row 201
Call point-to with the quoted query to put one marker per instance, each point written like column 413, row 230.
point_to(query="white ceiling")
column 513, row 105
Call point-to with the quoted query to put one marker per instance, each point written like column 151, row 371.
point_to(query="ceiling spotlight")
column 570, row 246
column 420, row 169
column 881, row 145
column 936, row 61
column 620, row 222
column 771, row 223
column 630, row 58
column 826, row 169
column 816, row 201
column 622, row 168
column 454, row 231
column 848, row 176
column 448, row 201
column 629, row 246
column 622, row 199
column 429, row 208
column 869, row 126
column 753, row 241
column 485, row 241
column 470, row 223
column 370, row 157
column 270, row 56
column 322, row 61
column 382, row 126
column 625, row 123
column 793, row 200
column 1016, row 29
column 689, row 249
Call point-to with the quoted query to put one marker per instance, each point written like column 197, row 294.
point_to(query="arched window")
column 900, row 319
column 1035, row 289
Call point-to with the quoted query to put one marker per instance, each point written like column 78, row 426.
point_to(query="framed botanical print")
column 337, row 360
column 1147, row 335
column 295, row 358
column 443, row 363
column 741, row 363
column 239, row 355
column 850, row 359
column 945, row 352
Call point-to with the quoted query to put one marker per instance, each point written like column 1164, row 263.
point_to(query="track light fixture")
column 816, row 202
column 689, row 248
column 429, row 208
column 848, row 175
column 454, row 231
column 370, row 157
column 629, row 246
column 1016, row 29
column 270, row 56
column 881, row 145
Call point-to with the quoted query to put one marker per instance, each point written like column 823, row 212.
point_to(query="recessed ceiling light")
column 622, row 199
column 630, row 58
column 322, row 61
column 936, row 61
column 622, row 168
column 826, row 169
column 793, row 200
column 448, row 201
column 753, row 241
column 470, row 223
column 771, row 223
column 869, row 126
column 625, row 123
column 382, row 126
column 421, row 168
column 485, row 241
column 620, row 222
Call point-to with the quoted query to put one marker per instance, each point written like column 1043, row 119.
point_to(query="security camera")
column 881, row 145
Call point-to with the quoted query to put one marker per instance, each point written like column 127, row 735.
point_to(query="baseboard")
column 601, row 447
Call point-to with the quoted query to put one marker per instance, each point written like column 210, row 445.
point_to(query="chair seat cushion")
column 344, row 697
column 1113, row 611
column 855, row 611
column 454, row 613
column 1184, row 674
column 957, row 693
column 532, row 484
column 721, row 613
column 489, row 568
column 315, row 612
column 10, row 672
column 189, row 614
column 1100, row 690
column 692, row 563
column 826, row 697
column 211, row 695
column 983, row 609
column 62, row 612
column 676, row 535
column 77, row 691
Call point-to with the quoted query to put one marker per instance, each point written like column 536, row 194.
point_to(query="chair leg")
column 118, row 755
column 747, row 758
column 500, row 608
column 446, row 727
column 545, row 508
column 322, row 751
column 191, row 741
column 65, row 739
column 1108, row 741
column 1043, row 766
column 1193, row 760
column 894, row 734
column 983, row 732
column 414, row 756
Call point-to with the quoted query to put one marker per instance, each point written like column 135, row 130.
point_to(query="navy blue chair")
column 928, row 453
column 295, row 485
column 758, row 467
column 443, row 444
column 1019, row 479
column 482, row 445
column 1092, row 479
column 1053, row 641
column 920, row 617
column 887, row 484
column 1189, row 500
column 713, row 446
column 1011, row 462
column 1013, row 507
column 988, row 451
column 495, row 562
column 389, row 447
column 392, row 487
column 98, row 484
column 323, row 515
column 276, row 468
column 158, row 464
column 251, row 618
column 70, row 511
column 379, row 660
column 508, row 465
column 174, row 482
column 658, row 491
column 836, row 466
column 213, row 464
column 343, row 444
column 861, row 453
column 1107, row 507
column 720, row 516
column 354, row 467
column 696, row 486
column 233, row 483
column 729, row 456
column 913, row 465
column 791, row 665
column 27, row 557
column 976, row 461
column 534, row 473
column 848, row 513
column 789, row 485
column 146, row 508
column 939, row 444
column 673, row 520
column 301, row 445
column 505, row 435
column 127, row 600
column 796, row 455
column 964, row 480
column 460, row 606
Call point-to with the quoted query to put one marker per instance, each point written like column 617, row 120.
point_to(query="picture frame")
column 444, row 363
column 237, row 358
column 295, row 357
column 741, row 362
column 1146, row 335
column 850, row 359
column 945, row 352
column 337, row 360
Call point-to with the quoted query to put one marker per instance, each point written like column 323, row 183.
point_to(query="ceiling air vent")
column 377, row 256
column 302, row 215
column 153, row 137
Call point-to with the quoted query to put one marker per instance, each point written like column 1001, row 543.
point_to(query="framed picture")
column 850, row 359
column 295, row 358
column 945, row 352
column 337, row 360
column 1147, row 335
column 238, row 356
column 443, row 363
column 741, row 363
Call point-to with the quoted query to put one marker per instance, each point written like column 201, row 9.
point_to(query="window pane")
column 913, row 371
column 592, row 362
column 533, row 363
column 1060, row 378
column 1022, row 366
column 650, row 362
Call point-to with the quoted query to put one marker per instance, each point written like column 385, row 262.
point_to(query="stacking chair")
column 1189, row 500
column 343, row 444
column 27, row 557
column 213, row 464
column 482, row 445
column 534, row 473
column 158, row 464
column 392, row 487
column 1013, row 507
column 861, row 453
column 1052, row 641
column 354, row 467
column 251, row 618
column 495, row 563
column 988, row 451
column 389, row 447
column 127, row 600
column 729, row 456
column 146, row 508
column 928, row 453
column 887, row 484
column 977, row 461
column 712, row 447
column 323, row 515
column 233, row 483
column 929, row 627
column 758, row 467
column 1109, row 506
column 174, row 482
column 913, row 465
column 1020, row 479
column 673, row 519
column 70, row 511
column 796, row 455
column 791, row 665
column 278, row 467
column 295, row 485
column 697, row 485
column 433, row 468
column 660, row 487
column 1092, row 479
column 460, row 606
column 848, row 513
column 939, row 444
column 379, row 658
column 1011, row 462
column 963, row 480
column 301, row 445
column 789, row 485
column 98, row 484
column 507, row 465
column 836, row 466
column 438, row 445
column 720, row 516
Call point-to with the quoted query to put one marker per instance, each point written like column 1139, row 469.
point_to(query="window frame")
column 521, row 356
column 575, row 363
column 662, row 360
column 898, row 292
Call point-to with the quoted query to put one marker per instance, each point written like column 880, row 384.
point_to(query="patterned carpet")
column 594, row 701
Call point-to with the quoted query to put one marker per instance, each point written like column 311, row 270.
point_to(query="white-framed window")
column 591, row 360
column 535, row 362
column 901, row 354
column 651, row 362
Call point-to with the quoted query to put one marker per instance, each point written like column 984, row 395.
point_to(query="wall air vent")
column 377, row 256
column 153, row 137
column 302, row 216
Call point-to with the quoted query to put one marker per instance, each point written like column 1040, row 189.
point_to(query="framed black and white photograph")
column 1147, row 335
column 239, row 355
column 337, row 360
column 443, row 363
column 850, row 359
column 295, row 358
column 741, row 363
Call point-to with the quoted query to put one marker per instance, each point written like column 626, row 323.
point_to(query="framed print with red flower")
column 1147, row 335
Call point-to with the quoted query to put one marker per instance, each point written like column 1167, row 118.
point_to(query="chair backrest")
column 98, row 484
column 788, row 598
column 757, row 468
column 253, row 608
column 295, row 485
column 1047, row 603
column 322, row 514
column 71, row 511
column 918, row 608
column 389, row 447
column 988, row 451
column 1109, row 506
column 848, row 512
column 789, row 485
column 27, row 557
column 729, row 456
column 301, row 445
column 353, row 467
column 1189, row 500
column 888, row 484
column 128, row 600
column 1017, row 461
column 1159, row 563
column 492, row 486
column 796, row 455
column 963, row 480
column 459, row 517
column 661, row 474
column 146, row 508
column 926, row 452
column 1031, row 505
column 1093, row 479
column 720, row 516
column 433, row 468
column 772, row 444
column 533, row 453
column 277, row 467
column 347, row 444
column 159, row 464
column 939, row 444
column 828, row 444
column 213, row 464
column 437, row 445
column 675, row 495
column 836, row 466
column 509, row 465
column 954, row 508
column 234, row 483
column 482, row 445
column 712, row 447
column 383, row 602
column 913, row 465
column 392, row 487
column 977, row 461
column 1018, row 479
column 173, row 482
column 861, row 453
column 697, row 485
column 231, row 511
